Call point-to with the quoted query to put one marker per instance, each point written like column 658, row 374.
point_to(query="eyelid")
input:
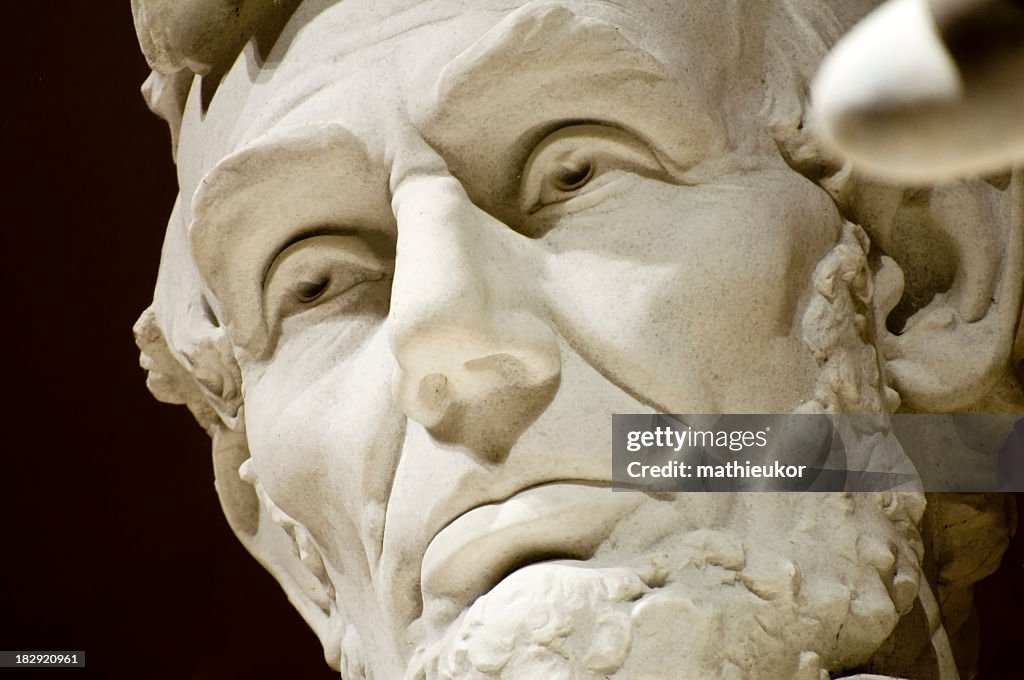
column 345, row 257
column 619, row 149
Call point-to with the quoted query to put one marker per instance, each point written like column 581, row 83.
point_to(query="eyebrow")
column 556, row 63
column 256, row 201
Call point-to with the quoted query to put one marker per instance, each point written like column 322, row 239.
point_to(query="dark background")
column 112, row 540
column 112, row 537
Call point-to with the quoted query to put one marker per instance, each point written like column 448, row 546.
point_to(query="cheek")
column 680, row 300
column 747, row 248
column 323, row 432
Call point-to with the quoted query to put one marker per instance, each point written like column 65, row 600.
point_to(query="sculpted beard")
column 834, row 583
column 834, row 590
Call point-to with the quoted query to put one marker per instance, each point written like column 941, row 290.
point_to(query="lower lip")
column 566, row 520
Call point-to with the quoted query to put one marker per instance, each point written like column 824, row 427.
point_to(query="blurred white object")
column 927, row 90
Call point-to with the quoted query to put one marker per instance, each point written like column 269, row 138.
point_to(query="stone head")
column 424, row 250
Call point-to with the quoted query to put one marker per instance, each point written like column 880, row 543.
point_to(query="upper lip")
column 481, row 545
column 497, row 501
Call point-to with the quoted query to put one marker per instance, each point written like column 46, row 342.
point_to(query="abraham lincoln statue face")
column 424, row 250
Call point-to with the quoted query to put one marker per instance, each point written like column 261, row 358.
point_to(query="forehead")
column 369, row 63
column 320, row 68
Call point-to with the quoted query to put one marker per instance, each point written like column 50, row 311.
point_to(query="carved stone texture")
column 424, row 250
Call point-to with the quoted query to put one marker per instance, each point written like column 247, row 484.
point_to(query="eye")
column 578, row 160
column 318, row 270
column 573, row 177
column 309, row 292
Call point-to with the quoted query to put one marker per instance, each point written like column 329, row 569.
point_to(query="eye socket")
column 318, row 270
column 578, row 160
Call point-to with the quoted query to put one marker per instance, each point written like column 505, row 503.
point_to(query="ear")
column 948, row 338
column 949, row 265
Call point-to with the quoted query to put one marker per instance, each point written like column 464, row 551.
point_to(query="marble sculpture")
column 422, row 251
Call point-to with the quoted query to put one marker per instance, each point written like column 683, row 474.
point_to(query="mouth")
column 557, row 520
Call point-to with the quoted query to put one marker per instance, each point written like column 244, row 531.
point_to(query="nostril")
column 481, row 404
column 433, row 392
column 511, row 370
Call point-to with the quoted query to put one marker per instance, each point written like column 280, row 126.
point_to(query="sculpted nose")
column 475, row 367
